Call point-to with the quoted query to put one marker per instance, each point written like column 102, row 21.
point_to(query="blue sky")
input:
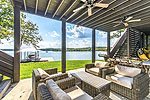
column 50, row 30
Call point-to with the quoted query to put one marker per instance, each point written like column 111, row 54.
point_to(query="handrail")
column 118, row 43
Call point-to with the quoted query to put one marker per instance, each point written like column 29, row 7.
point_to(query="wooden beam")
column 111, row 8
column 121, row 14
column 58, row 9
column 16, row 43
column 128, row 42
column 93, row 45
column 63, row 45
column 68, row 9
column 36, row 7
column 25, row 7
column 85, row 12
column 84, row 18
column 47, row 7
column 108, row 44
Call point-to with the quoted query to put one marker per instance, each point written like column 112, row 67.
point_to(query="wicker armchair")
column 140, row 87
column 36, row 78
column 67, row 85
column 88, row 68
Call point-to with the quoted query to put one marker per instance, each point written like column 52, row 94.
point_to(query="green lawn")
column 27, row 68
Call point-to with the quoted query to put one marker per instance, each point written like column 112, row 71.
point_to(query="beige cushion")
column 56, row 92
column 77, row 94
column 127, row 71
column 100, row 64
column 42, row 73
column 123, row 80
column 94, row 70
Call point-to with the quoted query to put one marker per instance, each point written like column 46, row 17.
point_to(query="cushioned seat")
column 94, row 70
column 77, row 94
column 122, row 80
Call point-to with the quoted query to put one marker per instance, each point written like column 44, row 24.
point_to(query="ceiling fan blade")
column 117, row 25
column 126, row 24
column 89, row 11
column 129, row 18
column 79, row 8
column 116, row 22
column 136, row 20
column 83, row 0
column 103, row 5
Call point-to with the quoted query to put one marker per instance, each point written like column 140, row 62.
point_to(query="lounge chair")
column 132, row 87
column 37, row 78
column 96, row 68
column 64, row 90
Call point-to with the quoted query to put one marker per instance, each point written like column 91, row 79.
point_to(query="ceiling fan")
column 126, row 20
column 89, row 4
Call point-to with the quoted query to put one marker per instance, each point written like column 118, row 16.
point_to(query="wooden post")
column 146, row 41
column 93, row 45
column 128, row 42
column 63, row 45
column 108, row 44
column 16, row 43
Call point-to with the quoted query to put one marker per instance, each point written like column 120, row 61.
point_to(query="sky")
column 50, row 31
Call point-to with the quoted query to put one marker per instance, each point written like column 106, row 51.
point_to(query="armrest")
column 88, row 66
column 66, row 83
column 43, row 93
column 56, row 77
column 51, row 71
column 107, row 71
column 36, row 75
column 141, row 80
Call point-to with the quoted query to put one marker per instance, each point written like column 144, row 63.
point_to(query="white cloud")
column 6, row 44
column 55, row 34
column 103, row 34
column 75, row 31
column 79, row 43
column 44, row 44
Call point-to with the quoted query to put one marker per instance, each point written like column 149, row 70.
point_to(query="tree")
column 29, row 31
column 117, row 34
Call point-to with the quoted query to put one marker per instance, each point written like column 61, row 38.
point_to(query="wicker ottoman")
column 91, row 84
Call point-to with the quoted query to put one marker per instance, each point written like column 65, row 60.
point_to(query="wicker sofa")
column 36, row 78
column 140, row 86
column 64, row 89
column 93, row 69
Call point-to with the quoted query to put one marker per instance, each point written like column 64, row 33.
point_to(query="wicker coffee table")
column 91, row 84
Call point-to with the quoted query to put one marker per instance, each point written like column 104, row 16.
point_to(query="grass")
column 27, row 68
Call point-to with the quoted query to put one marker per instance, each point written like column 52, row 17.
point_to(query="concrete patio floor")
column 23, row 90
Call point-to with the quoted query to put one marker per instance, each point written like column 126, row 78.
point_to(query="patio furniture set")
column 95, row 83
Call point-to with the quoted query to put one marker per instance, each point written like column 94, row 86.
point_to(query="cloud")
column 44, row 44
column 55, row 34
column 82, row 43
column 77, row 32
column 103, row 34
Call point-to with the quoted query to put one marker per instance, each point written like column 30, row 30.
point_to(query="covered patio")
column 101, row 19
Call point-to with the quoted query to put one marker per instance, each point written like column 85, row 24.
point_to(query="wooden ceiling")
column 101, row 19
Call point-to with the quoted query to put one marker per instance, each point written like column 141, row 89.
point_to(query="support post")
column 128, row 42
column 63, row 45
column 16, row 43
column 146, row 41
column 108, row 44
column 93, row 45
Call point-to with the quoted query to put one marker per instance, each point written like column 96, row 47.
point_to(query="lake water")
column 70, row 55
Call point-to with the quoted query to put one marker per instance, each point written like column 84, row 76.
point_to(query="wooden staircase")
column 120, row 48
column 6, row 69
